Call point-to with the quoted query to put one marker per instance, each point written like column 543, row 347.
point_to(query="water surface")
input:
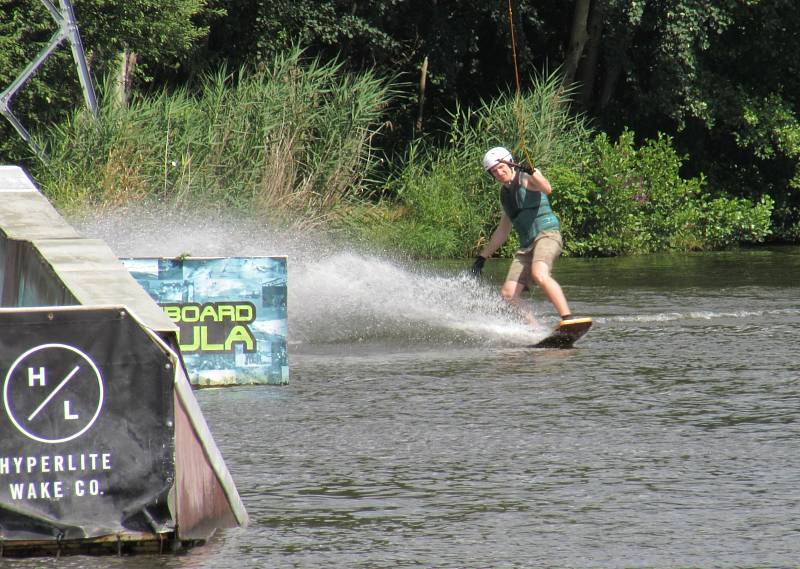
column 418, row 430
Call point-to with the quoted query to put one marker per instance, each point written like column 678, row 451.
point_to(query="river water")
column 419, row 430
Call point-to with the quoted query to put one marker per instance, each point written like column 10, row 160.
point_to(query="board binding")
column 566, row 334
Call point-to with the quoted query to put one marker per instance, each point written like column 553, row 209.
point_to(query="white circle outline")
column 7, row 404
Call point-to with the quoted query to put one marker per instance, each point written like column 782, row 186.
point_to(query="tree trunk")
column 588, row 69
column 577, row 40
column 610, row 83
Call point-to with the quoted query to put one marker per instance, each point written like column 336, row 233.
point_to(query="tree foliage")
column 719, row 76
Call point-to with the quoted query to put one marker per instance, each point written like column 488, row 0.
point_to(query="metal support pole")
column 79, row 57
column 67, row 29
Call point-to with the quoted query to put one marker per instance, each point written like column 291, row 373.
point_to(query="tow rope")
column 519, row 111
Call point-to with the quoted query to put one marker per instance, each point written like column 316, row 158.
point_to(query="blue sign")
column 231, row 312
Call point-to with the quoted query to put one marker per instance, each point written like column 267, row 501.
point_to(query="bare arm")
column 498, row 237
column 536, row 182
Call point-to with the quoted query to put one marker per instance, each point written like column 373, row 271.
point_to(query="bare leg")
column 511, row 292
column 541, row 276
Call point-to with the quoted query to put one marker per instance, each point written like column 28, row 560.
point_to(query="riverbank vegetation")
column 612, row 197
column 652, row 138
column 288, row 142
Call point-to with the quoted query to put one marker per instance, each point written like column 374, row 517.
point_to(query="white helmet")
column 494, row 155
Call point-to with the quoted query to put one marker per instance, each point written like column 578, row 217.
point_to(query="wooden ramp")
column 80, row 339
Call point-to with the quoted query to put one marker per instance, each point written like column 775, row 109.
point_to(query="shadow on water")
column 417, row 430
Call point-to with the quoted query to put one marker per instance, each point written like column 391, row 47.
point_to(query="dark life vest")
column 529, row 211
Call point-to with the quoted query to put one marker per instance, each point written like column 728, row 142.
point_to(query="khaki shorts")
column 546, row 248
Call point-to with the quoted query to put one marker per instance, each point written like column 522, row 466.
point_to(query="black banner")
column 87, row 423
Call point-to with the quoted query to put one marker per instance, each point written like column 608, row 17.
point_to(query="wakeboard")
column 566, row 334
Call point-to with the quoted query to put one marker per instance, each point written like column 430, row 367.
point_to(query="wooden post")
column 423, row 77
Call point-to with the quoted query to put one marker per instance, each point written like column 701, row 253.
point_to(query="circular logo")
column 53, row 393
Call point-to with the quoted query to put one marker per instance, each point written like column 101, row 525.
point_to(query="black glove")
column 477, row 266
column 523, row 167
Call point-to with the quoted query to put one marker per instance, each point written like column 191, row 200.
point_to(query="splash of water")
column 335, row 294
column 352, row 296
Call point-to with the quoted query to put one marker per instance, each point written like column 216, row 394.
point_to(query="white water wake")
column 698, row 315
column 356, row 297
column 335, row 294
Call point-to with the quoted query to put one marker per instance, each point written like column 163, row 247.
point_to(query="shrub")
column 724, row 222
column 621, row 200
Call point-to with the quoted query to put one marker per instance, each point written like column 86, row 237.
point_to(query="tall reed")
column 290, row 141
column 440, row 203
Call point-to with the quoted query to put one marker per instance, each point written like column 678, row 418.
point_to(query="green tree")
column 707, row 72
